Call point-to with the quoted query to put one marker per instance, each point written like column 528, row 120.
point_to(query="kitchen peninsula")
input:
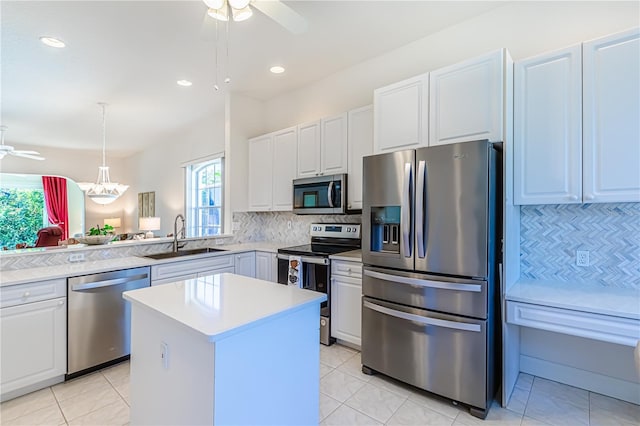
column 224, row 349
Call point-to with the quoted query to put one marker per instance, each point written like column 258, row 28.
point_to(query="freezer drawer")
column 457, row 296
column 443, row 354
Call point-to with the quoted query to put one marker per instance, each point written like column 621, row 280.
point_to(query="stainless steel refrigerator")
column 431, row 221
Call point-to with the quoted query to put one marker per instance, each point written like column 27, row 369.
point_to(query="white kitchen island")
column 224, row 349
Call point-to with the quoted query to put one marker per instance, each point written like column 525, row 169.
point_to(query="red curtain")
column 55, row 199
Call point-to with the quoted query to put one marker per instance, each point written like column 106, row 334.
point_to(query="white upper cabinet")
column 548, row 128
column 272, row 168
column 360, row 144
column 466, row 100
column 260, row 173
column 309, row 149
column 333, row 137
column 611, row 110
column 284, row 172
column 401, row 115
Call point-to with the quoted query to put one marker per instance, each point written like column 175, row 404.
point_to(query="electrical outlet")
column 235, row 226
column 289, row 224
column 76, row 257
column 164, row 355
column 582, row 258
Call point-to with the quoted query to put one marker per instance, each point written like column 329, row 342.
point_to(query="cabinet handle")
column 60, row 303
column 589, row 197
column 573, row 198
column 26, row 294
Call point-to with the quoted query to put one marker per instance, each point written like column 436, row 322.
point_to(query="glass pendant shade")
column 241, row 14
column 219, row 14
column 239, row 4
column 214, row 4
column 103, row 191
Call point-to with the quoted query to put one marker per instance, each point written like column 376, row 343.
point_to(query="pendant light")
column 103, row 191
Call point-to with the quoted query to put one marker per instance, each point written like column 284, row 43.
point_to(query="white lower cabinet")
column 267, row 266
column 188, row 269
column 346, row 296
column 33, row 346
column 245, row 264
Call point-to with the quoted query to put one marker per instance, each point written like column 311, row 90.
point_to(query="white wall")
column 525, row 29
column 159, row 168
column 245, row 119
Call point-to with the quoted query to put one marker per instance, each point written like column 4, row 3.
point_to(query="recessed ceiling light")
column 277, row 69
column 185, row 83
column 52, row 42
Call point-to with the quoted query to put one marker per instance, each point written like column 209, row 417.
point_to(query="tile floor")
column 347, row 397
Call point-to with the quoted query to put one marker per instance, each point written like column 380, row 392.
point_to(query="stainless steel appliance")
column 326, row 239
column 431, row 232
column 99, row 319
column 320, row 195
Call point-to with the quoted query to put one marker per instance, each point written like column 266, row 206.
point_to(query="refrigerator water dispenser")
column 385, row 229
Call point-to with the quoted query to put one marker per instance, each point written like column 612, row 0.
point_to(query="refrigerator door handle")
column 423, row 320
column 476, row 288
column 420, row 181
column 406, row 210
column 330, row 194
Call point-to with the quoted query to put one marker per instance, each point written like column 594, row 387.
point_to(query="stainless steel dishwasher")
column 99, row 319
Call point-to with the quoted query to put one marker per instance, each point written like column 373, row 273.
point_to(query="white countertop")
column 219, row 305
column 21, row 276
column 349, row 256
column 578, row 296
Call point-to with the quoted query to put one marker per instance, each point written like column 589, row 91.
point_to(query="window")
column 204, row 198
column 22, row 211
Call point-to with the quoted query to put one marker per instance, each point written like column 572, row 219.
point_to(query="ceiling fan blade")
column 19, row 152
column 23, row 155
column 283, row 15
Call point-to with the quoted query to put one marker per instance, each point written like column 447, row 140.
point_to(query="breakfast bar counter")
column 224, row 349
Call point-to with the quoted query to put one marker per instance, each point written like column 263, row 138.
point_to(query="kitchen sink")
column 182, row 253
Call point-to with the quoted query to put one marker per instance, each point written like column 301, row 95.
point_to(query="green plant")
column 108, row 229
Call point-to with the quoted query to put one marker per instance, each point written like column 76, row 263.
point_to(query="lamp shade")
column 149, row 223
column 113, row 221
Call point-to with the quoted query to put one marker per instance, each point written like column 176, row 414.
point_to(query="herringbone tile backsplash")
column 551, row 234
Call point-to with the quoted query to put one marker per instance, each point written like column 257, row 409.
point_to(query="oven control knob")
column 323, row 322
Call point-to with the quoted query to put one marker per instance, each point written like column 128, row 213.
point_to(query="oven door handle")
column 307, row 259
column 465, row 326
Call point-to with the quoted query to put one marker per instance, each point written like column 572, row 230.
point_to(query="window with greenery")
column 204, row 198
column 22, row 214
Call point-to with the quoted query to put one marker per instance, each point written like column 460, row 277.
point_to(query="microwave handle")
column 330, row 194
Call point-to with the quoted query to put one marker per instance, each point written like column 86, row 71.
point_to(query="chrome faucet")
column 175, row 231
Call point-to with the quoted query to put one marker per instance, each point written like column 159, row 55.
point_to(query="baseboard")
column 594, row 382
column 6, row 396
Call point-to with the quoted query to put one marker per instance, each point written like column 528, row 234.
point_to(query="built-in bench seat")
column 609, row 314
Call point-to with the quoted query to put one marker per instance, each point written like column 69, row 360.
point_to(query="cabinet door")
column 466, row 101
column 285, row 148
column 611, row 141
column 34, row 343
column 309, row 149
column 260, row 173
column 245, row 264
column 548, row 128
column 264, row 266
column 401, row 115
column 360, row 142
column 346, row 315
column 333, row 136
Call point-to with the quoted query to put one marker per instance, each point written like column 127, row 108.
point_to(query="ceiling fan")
column 240, row 10
column 7, row 149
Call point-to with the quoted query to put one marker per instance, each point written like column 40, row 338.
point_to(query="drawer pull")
column 26, row 294
column 60, row 303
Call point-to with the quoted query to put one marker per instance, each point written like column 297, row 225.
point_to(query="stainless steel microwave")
column 320, row 195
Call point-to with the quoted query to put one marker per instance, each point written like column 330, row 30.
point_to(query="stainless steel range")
column 308, row 266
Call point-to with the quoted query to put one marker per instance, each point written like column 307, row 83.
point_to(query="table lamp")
column 149, row 224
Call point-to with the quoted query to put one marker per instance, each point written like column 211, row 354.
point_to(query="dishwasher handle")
column 108, row 283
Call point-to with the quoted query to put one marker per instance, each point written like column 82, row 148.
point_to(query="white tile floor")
column 347, row 397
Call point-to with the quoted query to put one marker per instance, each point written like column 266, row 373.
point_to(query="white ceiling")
column 130, row 55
